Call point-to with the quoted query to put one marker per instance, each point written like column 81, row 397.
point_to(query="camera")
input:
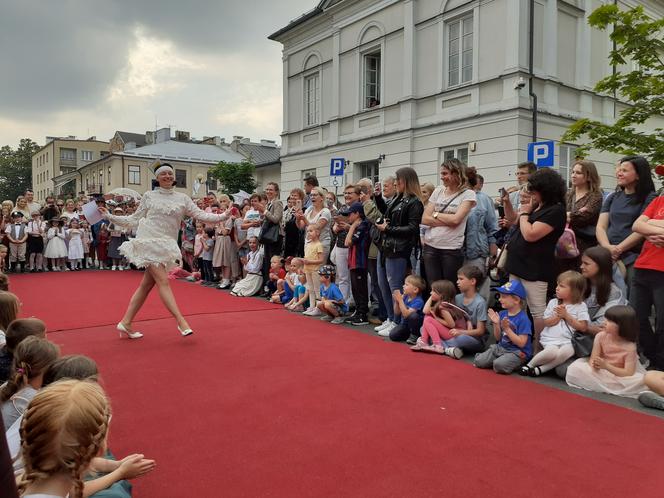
column 520, row 83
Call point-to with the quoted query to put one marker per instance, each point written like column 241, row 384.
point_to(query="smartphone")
column 501, row 212
column 502, row 192
column 298, row 205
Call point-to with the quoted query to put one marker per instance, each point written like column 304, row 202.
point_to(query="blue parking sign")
column 541, row 153
column 337, row 166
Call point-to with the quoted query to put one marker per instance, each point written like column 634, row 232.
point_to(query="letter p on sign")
column 541, row 153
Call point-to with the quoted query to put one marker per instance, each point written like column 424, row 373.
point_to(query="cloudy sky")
column 90, row 67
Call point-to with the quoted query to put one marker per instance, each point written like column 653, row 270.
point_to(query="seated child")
column 10, row 308
column 440, row 318
column 32, row 358
column 654, row 398
column 70, row 439
column 410, row 305
column 275, row 274
column 18, row 330
column 613, row 366
column 253, row 266
column 300, row 294
column 332, row 303
column 104, row 472
column 563, row 315
column 473, row 338
column 513, row 332
column 286, row 285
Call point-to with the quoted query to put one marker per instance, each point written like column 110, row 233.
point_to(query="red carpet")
column 267, row 403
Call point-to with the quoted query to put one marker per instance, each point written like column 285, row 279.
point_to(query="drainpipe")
column 531, row 43
column 123, row 172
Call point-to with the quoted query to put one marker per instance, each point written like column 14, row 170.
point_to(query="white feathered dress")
column 158, row 217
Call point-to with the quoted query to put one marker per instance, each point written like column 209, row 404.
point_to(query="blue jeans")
column 468, row 343
column 391, row 276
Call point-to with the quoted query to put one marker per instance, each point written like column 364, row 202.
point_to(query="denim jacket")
column 481, row 228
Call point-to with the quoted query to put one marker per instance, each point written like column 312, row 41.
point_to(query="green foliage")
column 639, row 41
column 235, row 176
column 16, row 169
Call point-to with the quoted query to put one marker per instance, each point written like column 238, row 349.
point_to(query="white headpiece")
column 160, row 168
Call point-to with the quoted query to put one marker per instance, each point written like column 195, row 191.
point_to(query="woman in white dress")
column 155, row 247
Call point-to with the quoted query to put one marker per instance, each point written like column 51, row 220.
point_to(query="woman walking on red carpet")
column 155, row 247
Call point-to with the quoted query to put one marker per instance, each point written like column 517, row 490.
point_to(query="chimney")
column 182, row 136
column 149, row 137
column 235, row 142
column 269, row 143
column 163, row 135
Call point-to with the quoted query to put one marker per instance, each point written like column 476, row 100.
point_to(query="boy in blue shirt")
column 410, row 305
column 512, row 329
column 332, row 301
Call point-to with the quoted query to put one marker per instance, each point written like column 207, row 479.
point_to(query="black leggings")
column 441, row 264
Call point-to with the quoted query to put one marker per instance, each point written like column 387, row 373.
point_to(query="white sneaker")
column 386, row 331
column 114, row 267
column 383, row 325
column 121, row 268
column 316, row 312
column 97, row 263
column 309, row 311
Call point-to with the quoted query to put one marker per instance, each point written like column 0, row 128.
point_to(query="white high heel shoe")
column 130, row 335
column 185, row 332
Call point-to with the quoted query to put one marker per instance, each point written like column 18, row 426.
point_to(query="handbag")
column 566, row 247
column 582, row 344
column 501, row 260
column 269, row 233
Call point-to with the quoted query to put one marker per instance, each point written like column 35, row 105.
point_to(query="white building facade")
column 392, row 83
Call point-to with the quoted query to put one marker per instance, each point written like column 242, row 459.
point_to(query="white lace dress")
column 158, row 217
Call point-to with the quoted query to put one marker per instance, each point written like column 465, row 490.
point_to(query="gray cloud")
column 59, row 56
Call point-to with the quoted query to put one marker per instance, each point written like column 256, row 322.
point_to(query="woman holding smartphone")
column 293, row 234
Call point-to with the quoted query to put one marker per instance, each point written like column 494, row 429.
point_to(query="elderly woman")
column 155, row 247
column 541, row 222
column 446, row 215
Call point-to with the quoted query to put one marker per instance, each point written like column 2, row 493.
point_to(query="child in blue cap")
column 513, row 332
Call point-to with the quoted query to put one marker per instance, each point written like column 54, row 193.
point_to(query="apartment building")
column 391, row 83
column 62, row 155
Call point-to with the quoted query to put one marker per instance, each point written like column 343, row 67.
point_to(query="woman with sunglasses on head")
column 155, row 246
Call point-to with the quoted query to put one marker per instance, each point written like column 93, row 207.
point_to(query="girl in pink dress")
column 613, row 366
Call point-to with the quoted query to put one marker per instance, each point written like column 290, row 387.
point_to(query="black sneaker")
column 412, row 340
column 359, row 320
column 350, row 318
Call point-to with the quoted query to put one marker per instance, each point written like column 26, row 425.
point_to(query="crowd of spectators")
column 543, row 279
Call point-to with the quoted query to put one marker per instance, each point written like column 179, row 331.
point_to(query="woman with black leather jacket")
column 400, row 232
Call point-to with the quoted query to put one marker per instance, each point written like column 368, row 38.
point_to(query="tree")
column 235, row 176
column 16, row 169
column 637, row 39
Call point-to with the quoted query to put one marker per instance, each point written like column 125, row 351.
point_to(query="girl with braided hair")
column 64, row 428
column 32, row 358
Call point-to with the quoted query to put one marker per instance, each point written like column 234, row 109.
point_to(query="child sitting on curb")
column 513, row 332
column 300, row 294
column 332, row 302
column 410, row 305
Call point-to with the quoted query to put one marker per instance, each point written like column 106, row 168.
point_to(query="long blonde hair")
column 411, row 182
column 64, row 428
